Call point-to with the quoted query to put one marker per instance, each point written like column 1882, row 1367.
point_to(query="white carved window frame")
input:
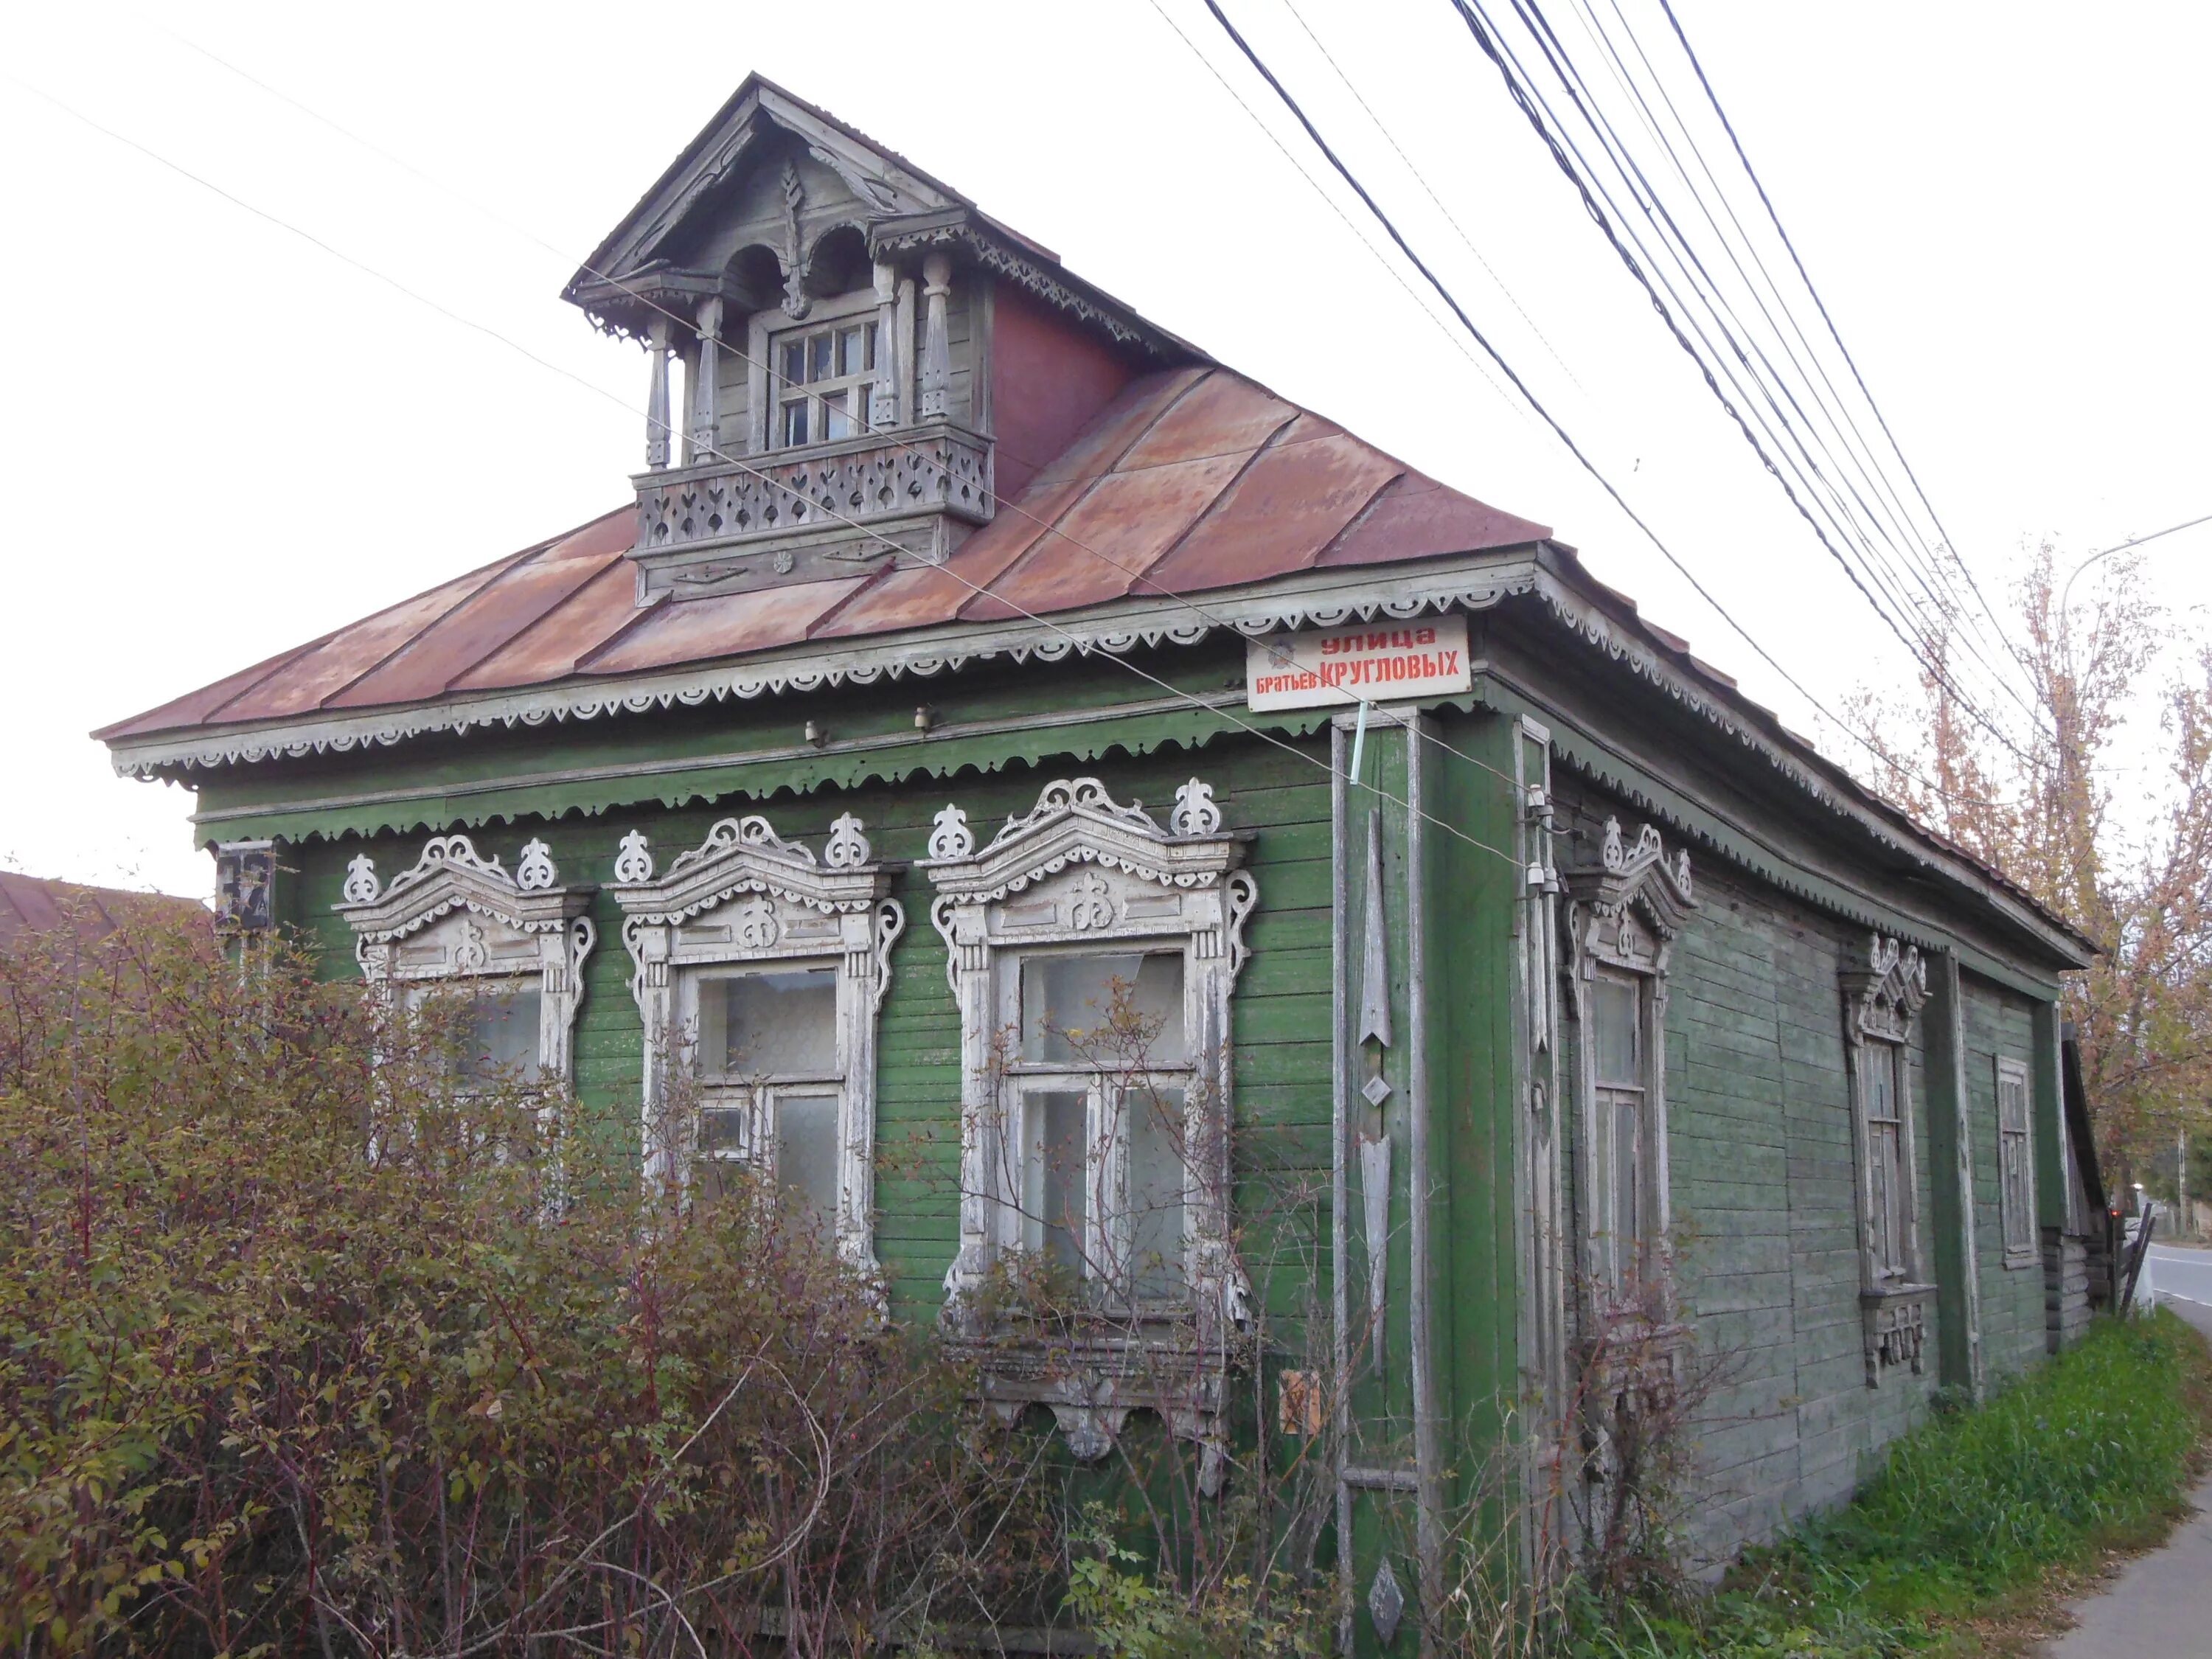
column 1885, row 986
column 1081, row 871
column 455, row 917
column 1624, row 913
column 743, row 898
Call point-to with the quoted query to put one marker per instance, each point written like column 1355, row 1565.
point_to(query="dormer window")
column 823, row 378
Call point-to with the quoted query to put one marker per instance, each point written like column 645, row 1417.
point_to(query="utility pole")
column 2181, row 1183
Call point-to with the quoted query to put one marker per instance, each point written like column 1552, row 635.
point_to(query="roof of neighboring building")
column 1193, row 479
column 29, row 904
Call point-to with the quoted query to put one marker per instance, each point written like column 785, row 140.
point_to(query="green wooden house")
column 1045, row 798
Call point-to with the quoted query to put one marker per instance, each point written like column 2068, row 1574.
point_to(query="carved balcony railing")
column 833, row 509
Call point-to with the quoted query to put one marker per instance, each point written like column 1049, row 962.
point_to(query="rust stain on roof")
column 1193, row 479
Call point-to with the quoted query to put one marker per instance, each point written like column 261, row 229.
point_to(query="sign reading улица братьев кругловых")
column 1375, row 662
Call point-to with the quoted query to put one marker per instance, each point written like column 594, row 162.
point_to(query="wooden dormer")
column 869, row 363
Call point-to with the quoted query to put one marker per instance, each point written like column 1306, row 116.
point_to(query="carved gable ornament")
column 455, row 913
column 1885, row 987
column 1634, row 901
column 746, row 895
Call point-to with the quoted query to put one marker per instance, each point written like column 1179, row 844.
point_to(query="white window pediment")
column 1079, row 894
column 749, row 909
column 456, row 916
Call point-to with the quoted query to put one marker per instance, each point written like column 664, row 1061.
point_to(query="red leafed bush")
column 302, row 1349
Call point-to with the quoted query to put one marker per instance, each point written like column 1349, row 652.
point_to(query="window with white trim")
column 2015, row 1160
column 1100, row 1084
column 771, row 1087
column 1622, row 1085
column 823, row 378
column 500, row 952
column 1889, row 1171
column 1093, row 951
column 1624, row 911
column 1885, row 984
column 759, row 971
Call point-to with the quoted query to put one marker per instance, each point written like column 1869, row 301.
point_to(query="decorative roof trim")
column 1049, row 283
column 1321, row 599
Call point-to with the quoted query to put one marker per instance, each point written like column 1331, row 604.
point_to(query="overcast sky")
column 218, row 439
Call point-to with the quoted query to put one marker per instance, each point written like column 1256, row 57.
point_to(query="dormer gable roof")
column 666, row 244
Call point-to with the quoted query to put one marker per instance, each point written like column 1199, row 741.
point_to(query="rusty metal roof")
column 32, row 904
column 1193, row 479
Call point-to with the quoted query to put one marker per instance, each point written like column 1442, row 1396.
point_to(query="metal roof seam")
column 1264, row 447
column 403, row 646
column 1366, row 511
column 470, row 665
column 1051, row 527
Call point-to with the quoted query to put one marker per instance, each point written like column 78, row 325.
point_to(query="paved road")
column 2185, row 1275
column 2161, row 1605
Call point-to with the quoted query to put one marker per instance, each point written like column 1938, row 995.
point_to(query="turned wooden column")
column 883, row 398
column 656, row 395
column 706, row 395
column 936, row 344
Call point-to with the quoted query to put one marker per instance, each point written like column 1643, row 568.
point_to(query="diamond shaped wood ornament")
column 1386, row 1602
column 1376, row 1090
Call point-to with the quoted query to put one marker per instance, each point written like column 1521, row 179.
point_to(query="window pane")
column 722, row 1129
column 782, row 1024
column 794, row 423
column 1880, row 1106
column 1061, row 995
column 1627, row 1185
column 836, row 422
column 794, row 361
column 817, row 358
column 1615, row 1036
column 868, row 349
column 503, row 1036
column 851, row 352
column 1154, row 1119
column 1881, row 1195
column 806, row 1155
column 1055, row 1183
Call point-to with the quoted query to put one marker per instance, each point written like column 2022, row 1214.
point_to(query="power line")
column 1421, row 179
column 1775, row 217
column 1535, row 403
column 1523, row 97
column 1073, row 641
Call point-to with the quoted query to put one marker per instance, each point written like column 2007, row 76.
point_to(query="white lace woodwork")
column 456, row 914
column 1080, row 869
column 1885, row 986
column 746, row 897
column 1624, row 913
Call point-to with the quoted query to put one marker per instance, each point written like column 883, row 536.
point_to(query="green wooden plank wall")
column 1280, row 1019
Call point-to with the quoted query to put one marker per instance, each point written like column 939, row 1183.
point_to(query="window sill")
column 2017, row 1258
column 1092, row 1371
column 1896, row 1319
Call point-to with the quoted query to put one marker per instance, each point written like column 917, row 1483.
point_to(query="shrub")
column 300, row 1348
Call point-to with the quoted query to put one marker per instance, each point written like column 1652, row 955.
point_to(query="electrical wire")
column 1516, row 82
column 1071, row 640
column 1775, row 217
column 1891, row 522
column 1536, row 404
column 1421, row 179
